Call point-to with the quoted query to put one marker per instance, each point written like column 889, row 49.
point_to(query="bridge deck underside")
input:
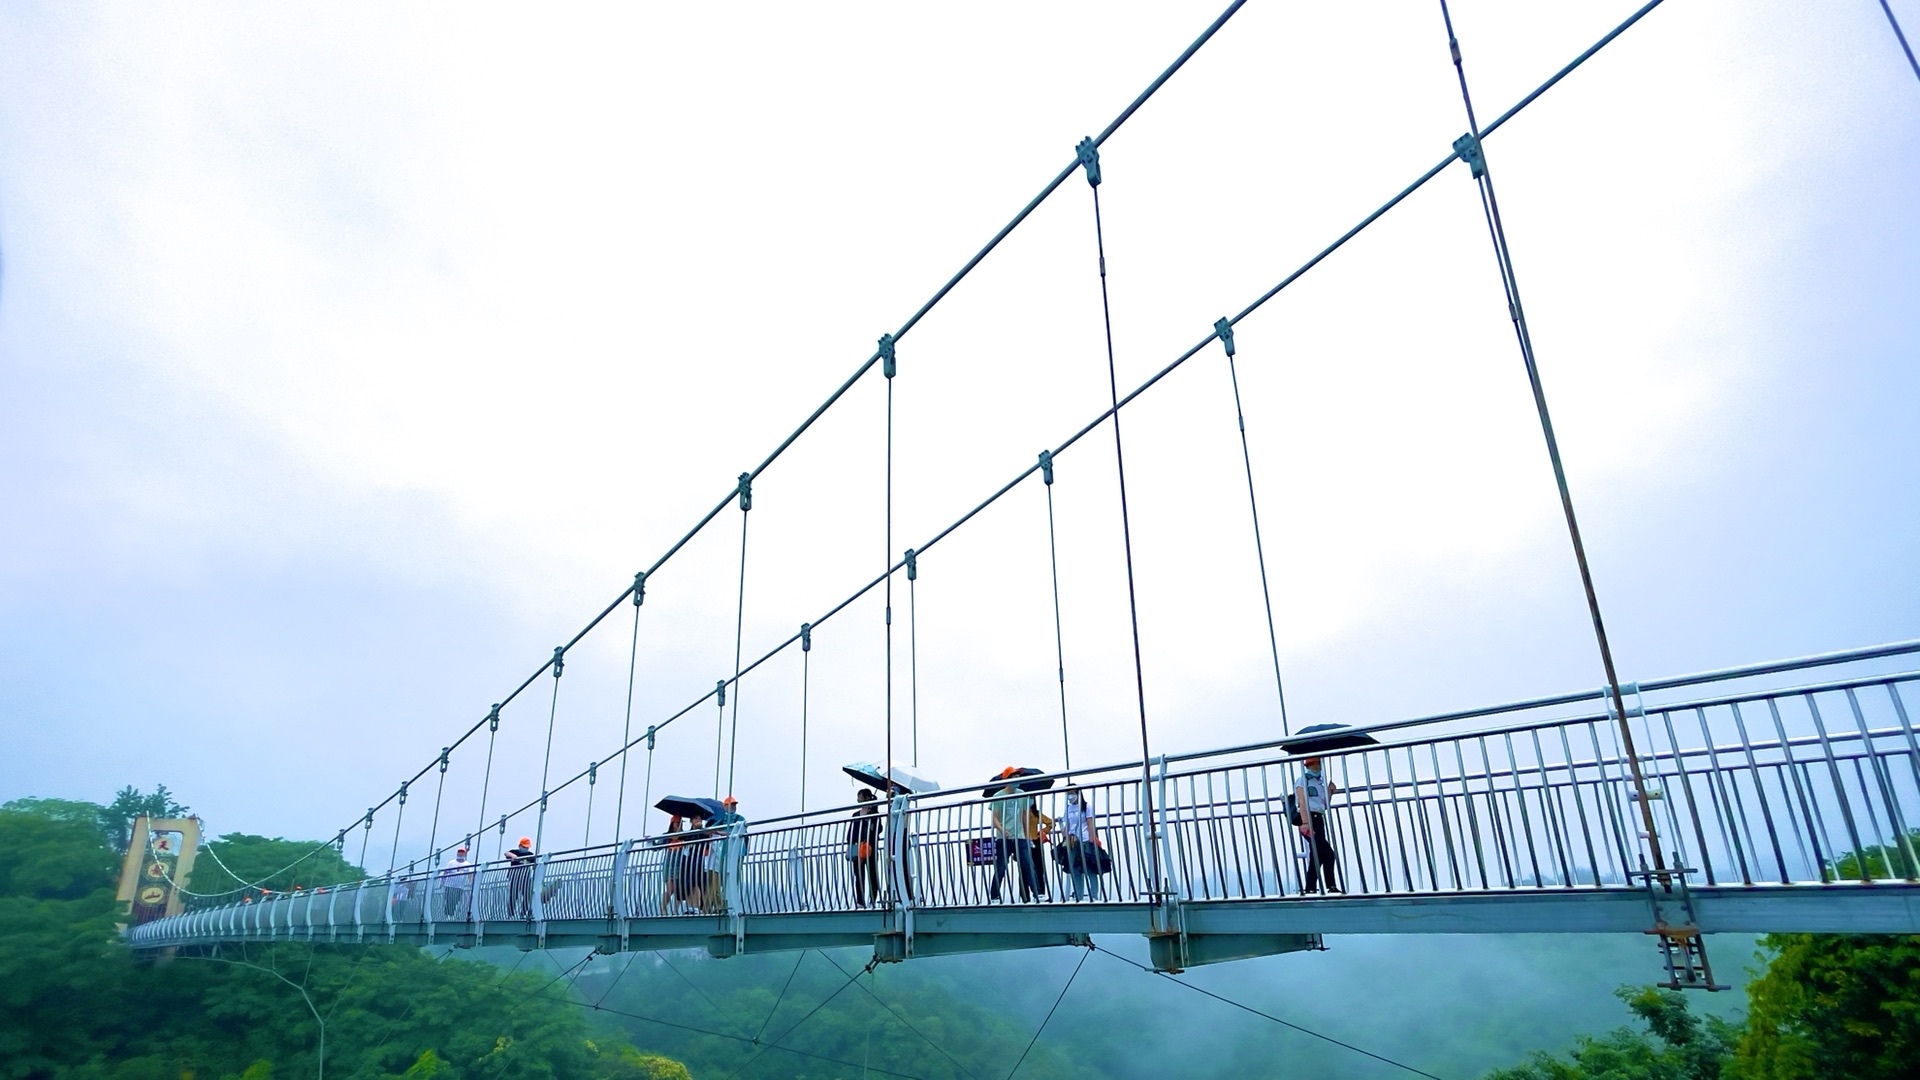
column 1883, row 909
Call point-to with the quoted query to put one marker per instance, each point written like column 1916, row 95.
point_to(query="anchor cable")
column 1266, row 1015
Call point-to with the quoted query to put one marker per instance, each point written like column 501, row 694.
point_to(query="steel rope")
column 1265, row 1015
column 764, row 1047
column 1059, row 639
column 1049, row 1017
column 897, row 1016
column 626, row 730
column 739, row 628
column 1253, row 504
column 978, row 257
column 1154, row 380
column 1091, row 159
column 1904, row 47
column 1490, row 206
column 553, row 710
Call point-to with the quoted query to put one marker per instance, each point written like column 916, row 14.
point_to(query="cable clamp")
column 913, row 565
column 593, row 773
column 503, row 824
column 1467, row 148
column 403, row 792
column 651, row 728
column 639, row 588
column 369, row 821
column 746, row 492
column 543, row 801
column 887, row 365
column 1090, row 160
column 720, row 688
column 559, row 659
column 444, row 751
column 1046, row 467
column 1224, row 331
column 806, row 637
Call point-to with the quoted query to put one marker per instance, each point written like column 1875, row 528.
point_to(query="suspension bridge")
column 1780, row 796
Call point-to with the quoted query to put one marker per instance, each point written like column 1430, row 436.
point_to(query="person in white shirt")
column 1079, row 837
column 1310, row 797
column 456, row 882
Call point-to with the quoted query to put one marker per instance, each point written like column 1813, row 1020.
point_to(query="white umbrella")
column 905, row 782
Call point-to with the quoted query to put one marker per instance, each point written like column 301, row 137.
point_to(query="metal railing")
column 1815, row 784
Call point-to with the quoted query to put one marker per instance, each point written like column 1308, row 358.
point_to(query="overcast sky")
column 352, row 357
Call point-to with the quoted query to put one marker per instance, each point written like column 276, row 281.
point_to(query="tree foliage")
column 1834, row 1005
column 1680, row 1046
column 238, row 861
column 77, row 1005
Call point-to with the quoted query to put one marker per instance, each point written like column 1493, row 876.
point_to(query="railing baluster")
column 1902, row 840
column 1839, row 784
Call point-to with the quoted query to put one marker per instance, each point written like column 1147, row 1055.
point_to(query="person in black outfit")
column 863, row 849
column 520, row 880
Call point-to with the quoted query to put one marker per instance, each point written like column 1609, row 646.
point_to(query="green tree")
column 1833, row 1005
column 116, row 818
column 75, row 1004
column 240, row 860
column 1681, row 1046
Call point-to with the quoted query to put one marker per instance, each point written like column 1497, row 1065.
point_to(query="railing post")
column 427, row 895
column 617, row 894
column 730, row 882
column 899, row 844
column 359, row 919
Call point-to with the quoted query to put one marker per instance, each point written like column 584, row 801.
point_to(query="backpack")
column 1293, row 808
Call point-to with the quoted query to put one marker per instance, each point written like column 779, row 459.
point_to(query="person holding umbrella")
column 863, row 846
column 1017, row 825
column 1310, row 796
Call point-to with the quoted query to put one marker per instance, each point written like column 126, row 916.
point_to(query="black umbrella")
column 1009, row 778
column 1321, row 738
column 687, row 807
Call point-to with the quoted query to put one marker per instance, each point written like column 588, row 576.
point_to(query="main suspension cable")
column 1470, row 149
column 1904, row 47
column 1091, row 425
